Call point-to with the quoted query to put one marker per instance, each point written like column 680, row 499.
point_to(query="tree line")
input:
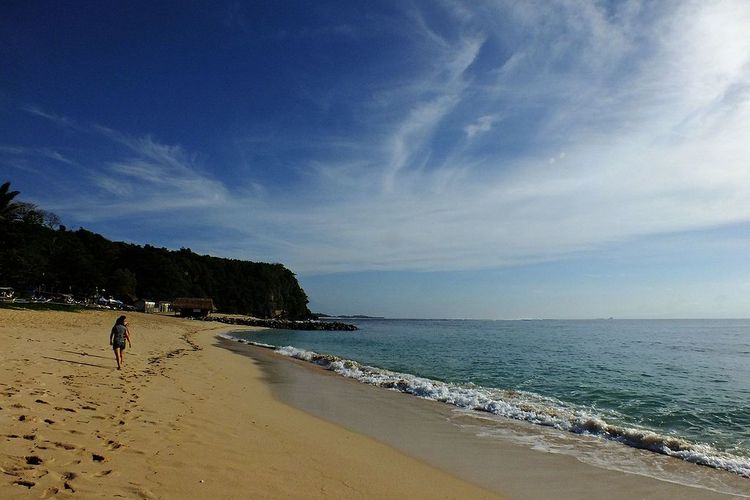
column 38, row 254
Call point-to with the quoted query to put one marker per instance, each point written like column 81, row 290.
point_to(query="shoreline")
column 505, row 462
column 183, row 419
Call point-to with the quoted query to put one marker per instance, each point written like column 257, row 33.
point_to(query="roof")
column 193, row 303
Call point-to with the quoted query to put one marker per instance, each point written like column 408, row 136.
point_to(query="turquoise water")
column 677, row 387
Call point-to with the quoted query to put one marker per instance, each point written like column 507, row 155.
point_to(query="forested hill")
column 37, row 257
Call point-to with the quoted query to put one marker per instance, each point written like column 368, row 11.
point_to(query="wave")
column 520, row 405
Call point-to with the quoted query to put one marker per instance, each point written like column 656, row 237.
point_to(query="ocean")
column 673, row 387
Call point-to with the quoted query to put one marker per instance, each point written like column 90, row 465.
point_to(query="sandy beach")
column 184, row 419
column 188, row 417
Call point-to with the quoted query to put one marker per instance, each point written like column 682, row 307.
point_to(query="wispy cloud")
column 61, row 121
column 482, row 124
column 528, row 132
column 633, row 111
column 35, row 152
column 147, row 176
column 156, row 177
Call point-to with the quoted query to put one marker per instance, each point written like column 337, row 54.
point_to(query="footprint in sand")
column 71, row 410
column 113, row 445
column 50, row 492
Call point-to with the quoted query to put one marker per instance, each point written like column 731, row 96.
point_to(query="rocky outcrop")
column 284, row 324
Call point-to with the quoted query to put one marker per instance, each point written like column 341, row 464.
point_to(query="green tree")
column 7, row 205
column 31, row 214
column 123, row 284
column 34, row 255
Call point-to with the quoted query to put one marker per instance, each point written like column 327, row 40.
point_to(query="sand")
column 517, row 462
column 183, row 419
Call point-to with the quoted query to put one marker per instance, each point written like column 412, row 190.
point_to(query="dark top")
column 119, row 334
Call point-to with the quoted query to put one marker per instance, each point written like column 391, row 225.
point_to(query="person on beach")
column 117, row 338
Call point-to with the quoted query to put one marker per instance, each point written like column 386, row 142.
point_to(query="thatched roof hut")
column 193, row 306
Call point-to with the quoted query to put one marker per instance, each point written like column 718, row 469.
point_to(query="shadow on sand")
column 76, row 362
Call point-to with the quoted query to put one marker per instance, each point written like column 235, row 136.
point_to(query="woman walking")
column 117, row 339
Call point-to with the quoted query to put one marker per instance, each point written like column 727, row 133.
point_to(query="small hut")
column 164, row 307
column 193, row 307
column 147, row 306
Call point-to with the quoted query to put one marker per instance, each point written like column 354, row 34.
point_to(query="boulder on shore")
column 284, row 324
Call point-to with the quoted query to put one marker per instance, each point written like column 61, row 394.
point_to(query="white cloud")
column 635, row 123
column 650, row 147
column 61, row 121
column 482, row 124
column 35, row 152
column 151, row 177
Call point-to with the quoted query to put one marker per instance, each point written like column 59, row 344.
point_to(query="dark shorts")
column 118, row 345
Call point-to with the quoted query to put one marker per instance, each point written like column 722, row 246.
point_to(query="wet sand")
column 183, row 419
column 514, row 463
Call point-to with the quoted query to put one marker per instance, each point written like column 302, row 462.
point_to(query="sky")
column 436, row 159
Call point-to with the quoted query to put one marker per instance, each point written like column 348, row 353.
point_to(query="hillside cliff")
column 37, row 257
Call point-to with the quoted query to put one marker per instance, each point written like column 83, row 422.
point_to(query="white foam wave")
column 526, row 406
column 229, row 336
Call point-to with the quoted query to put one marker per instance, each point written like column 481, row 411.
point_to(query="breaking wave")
column 520, row 405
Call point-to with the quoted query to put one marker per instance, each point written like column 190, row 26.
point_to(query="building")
column 193, row 307
column 147, row 306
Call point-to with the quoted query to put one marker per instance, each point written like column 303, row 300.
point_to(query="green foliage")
column 34, row 256
column 30, row 213
column 7, row 205
column 22, row 211
column 123, row 284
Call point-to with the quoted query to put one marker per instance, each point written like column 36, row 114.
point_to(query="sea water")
column 674, row 387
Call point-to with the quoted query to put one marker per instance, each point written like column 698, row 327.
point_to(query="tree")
column 11, row 210
column 33, row 253
column 31, row 214
column 7, row 205
column 123, row 284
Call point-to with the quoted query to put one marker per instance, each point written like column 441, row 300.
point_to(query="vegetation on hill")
column 39, row 254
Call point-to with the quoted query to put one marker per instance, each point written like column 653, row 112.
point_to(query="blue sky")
column 481, row 159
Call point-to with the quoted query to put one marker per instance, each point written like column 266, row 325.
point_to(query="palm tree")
column 7, row 206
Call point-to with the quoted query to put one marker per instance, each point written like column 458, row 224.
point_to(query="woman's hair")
column 120, row 320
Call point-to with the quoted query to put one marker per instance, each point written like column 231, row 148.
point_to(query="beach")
column 183, row 419
column 192, row 415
